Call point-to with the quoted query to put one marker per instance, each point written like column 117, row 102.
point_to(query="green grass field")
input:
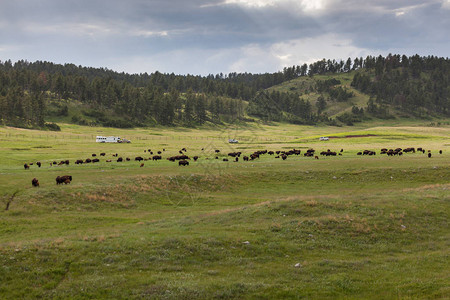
column 358, row 227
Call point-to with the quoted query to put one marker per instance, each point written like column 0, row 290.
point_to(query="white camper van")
column 107, row 139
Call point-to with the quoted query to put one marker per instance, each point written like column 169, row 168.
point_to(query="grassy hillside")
column 338, row 227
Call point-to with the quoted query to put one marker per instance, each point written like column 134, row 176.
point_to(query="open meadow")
column 344, row 226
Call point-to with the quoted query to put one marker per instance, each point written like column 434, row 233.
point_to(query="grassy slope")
column 360, row 227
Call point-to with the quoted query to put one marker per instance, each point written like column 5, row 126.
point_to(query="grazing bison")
column 157, row 157
column 35, row 182
column 94, row 155
column 183, row 163
column 79, row 161
column 195, row 158
column 440, row 151
column 245, row 158
column 39, row 163
column 159, row 152
column 225, row 159
column 63, row 179
column 283, row 156
column 26, row 166
column 95, row 160
column 429, row 155
column 138, row 158
column 120, row 159
column 142, row 165
column 316, row 157
column 88, row 160
column 102, row 154
column 217, row 150
column 128, row 159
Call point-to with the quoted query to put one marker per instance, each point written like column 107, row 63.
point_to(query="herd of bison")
column 183, row 158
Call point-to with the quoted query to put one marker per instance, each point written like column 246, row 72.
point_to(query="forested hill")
column 333, row 92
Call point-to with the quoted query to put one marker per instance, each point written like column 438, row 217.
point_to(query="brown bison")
column 138, row 158
column 142, row 165
column 102, row 154
column 119, row 159
column 79, row 161
column 157, row 157
column 429, row 155
column 38, row 164
column 183, row 163
column 26, row 166
column 63, row 179
column 35, row 182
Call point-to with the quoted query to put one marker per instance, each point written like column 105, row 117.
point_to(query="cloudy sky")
column 213, row 36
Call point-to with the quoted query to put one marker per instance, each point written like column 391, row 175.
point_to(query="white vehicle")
column 324, row 138
column 108, row 139
column 233, row 141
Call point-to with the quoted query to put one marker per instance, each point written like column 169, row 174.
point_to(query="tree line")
column 417, row 84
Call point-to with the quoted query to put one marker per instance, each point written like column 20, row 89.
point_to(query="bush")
column 52, row 126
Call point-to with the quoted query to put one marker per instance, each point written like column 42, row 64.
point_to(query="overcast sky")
column 213, row 36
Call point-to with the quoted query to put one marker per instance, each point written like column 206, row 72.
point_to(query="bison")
column 183, row 163
column 63, row 179
column 35, row 182
column 38, row 164
column 138, row 158
column 26, row 166
column 157, row 157
column 120, row 159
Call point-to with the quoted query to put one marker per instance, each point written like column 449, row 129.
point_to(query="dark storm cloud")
column 111, row 32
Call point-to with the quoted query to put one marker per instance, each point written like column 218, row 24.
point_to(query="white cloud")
column 446, row 4
column 253, row 3
column 274, row 57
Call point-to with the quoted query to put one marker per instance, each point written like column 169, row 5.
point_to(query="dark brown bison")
column 159, row 152
column 38, row 164
column 225, row 159
column 95, row 160
column 94, row 155
column 183, row 163
column 157, row 157
column 245, row 158
column 440, row 151
column 79, row 161
column 283, row 156
column 429, row 155
column 119, row 159
column 88, row 160
column 128, row 159
column 63, row 179
column 26, row 166
column 195, row 158
column 142, row 165
column 102, row 154
column 138, row 158
column 35, row 182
